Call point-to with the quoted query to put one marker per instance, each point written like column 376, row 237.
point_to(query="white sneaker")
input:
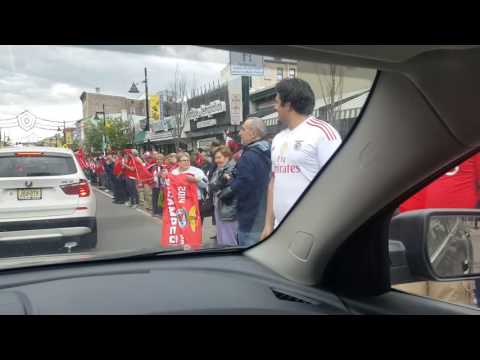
column 127, row 203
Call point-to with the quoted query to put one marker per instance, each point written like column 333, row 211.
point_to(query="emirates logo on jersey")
column 286, row 169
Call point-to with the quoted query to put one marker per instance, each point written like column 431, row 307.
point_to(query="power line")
column 43, row 128
column 56, row 121
column 9, row 119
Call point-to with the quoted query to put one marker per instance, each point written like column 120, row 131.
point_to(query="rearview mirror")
column 441, row 244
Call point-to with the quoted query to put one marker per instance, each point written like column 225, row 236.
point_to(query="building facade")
column 94, row 102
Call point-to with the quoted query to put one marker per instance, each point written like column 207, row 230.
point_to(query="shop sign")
column 213, row 108
column 206, row 123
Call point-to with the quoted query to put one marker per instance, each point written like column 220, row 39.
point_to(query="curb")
column 146, row 213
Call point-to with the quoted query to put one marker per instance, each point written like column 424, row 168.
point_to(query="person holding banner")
column 194, row 174
column 182, row 226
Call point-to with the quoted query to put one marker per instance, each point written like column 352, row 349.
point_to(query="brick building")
column 93, row 102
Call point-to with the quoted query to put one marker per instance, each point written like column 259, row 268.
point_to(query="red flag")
column 142, row 174
column 80, row 155
column 182, row 224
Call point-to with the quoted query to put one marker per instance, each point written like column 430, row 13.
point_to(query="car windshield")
column 163, row 147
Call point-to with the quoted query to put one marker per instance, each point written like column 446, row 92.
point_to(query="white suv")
column 45, row 198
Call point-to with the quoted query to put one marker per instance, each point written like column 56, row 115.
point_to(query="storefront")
column 209, row 118
column 139, row 141
column 163, row 142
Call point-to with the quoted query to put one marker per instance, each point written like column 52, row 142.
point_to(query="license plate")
column 29, row 194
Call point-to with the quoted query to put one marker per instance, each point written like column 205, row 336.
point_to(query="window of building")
column 279, row 74
column 292, row 73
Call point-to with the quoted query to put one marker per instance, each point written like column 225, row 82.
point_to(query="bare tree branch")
column 331, row 85
column 180, row 108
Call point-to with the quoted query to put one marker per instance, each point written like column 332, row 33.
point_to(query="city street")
column 124, row 228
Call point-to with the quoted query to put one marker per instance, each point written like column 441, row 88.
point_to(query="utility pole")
column 245, row 96
column 104, row 131
column 64, row 133
column 147, row 125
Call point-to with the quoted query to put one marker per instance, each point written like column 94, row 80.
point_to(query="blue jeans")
column 248, row 238
column 132, row 191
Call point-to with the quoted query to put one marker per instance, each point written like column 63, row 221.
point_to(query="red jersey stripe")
column 327, row 125
column 322, row 128
column 331, row 136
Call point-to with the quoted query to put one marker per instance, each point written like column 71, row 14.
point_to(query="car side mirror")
column 440, row 244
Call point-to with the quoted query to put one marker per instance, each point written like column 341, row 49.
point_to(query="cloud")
column 50, row 79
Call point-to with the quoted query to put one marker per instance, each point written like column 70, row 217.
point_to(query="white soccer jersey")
column 297, row 156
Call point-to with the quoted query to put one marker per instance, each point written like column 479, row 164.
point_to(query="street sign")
column 235, row 98
column 245, row 64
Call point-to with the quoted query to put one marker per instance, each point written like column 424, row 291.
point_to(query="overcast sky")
column 48, row 80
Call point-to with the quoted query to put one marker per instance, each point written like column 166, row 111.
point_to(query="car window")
column 453, row 241
column 16, row 166
column 181, row 147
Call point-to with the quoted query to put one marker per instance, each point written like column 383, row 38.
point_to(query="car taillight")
column 81, row 189
column 84, row 188
column 28, row 154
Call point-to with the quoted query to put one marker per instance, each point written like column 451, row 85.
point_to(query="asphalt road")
column 123, row 228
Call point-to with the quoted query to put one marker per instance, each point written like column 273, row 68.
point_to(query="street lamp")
column 134, row 90
column 104, row 137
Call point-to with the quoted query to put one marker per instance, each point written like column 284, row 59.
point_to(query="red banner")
column 182, row 225
column 79, row 154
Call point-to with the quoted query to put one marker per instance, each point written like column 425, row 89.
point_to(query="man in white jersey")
column 298, row 152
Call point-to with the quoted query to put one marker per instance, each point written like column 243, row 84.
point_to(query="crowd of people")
column 246, row 186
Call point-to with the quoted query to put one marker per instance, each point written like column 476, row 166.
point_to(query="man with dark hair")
column 298, row 152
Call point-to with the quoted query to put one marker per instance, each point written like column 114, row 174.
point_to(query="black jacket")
column 227, row 206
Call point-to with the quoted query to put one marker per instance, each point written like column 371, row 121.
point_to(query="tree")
column 331, row 86
column 178, row 90
column 93, row 136
column 118, row 134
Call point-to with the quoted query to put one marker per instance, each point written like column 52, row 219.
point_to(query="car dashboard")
column 171, row 284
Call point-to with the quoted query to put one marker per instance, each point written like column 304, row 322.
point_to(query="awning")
column 140, row 137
